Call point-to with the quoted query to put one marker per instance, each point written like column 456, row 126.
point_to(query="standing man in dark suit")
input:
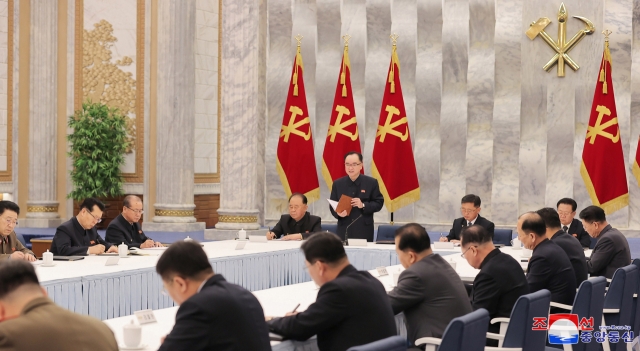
column 298, row 224
column 429, row 291
column 612, row 249
column 470, row 209
column 501, row 279
column 367, row 199
column 569, row 224
column 213, row 314
column 549, row 267
column 79, row 236
column 10, row 246
column 352, row 307
column 126, row 229
column 568, row 243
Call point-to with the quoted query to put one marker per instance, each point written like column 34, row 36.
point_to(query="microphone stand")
column 346, row 231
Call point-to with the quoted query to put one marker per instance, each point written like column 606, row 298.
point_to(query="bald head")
column 132, row 208
column 129, row 199
column 531, row 222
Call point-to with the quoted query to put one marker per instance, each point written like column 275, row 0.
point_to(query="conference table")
column 305, row 294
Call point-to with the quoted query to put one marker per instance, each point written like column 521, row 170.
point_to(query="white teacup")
column 395, row 276
column 47, row 258
column 526, row 253
column 132, row 334
column 123, row 250
column 517, row 244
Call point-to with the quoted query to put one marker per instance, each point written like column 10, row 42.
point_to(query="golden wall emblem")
column 561, row 47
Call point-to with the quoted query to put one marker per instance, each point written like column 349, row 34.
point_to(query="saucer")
column 47, row 265
column 139, row 347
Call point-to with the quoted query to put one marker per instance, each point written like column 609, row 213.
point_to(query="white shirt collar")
column 474, row 220
column 202, row 285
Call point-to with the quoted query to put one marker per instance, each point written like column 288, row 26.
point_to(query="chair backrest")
column 502, row 236
column 593, row 243
column 635, row 320
column 463, row 333
column 21, row 239
column 519, row 332
column 620, row 296
column 588, row 304
column 435, row 236
column 386, row 232
column 392, row 343
column 333, row 228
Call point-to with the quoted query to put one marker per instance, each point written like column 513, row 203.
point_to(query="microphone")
column 346, row 236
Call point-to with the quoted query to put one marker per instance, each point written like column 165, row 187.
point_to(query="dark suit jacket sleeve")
column 62, row 242
column 408, row 293
column 278, row 230
column 452, row 232
column 584, row 237
column 538, row 273
column 116, row 236
column 491, row 228
column 316, row 226
column 486, row 293
column 328, row 310
column 334, row 197
column 376, row 202
column 99, row 240
column 192, row 330
column 601, row 257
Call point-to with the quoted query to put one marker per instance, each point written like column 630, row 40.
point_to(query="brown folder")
column 344, row 204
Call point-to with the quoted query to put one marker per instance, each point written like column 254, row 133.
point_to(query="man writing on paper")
column 126, row 229
column 470, row 209
column 366, row 199
column 78, row 236
column 298, row 224
column 567, row 211
column 10, row 246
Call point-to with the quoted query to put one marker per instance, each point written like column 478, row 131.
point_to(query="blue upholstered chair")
column 386, row 232
column 502, row 236
column 21, row 239
column 619, row 300
column 392, row 343
column 333, row 228
column 519, row 333
column 589, row 302
column 593, row 243
column 435, row 236
column 462, row 334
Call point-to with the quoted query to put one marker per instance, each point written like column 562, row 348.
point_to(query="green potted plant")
column 97, row 146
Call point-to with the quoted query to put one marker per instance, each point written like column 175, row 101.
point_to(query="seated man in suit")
column 429, row 291
column 126, row 229
column 214, row 314
column 78, row 236
column 30, row 321
column 501, row 279
column 298, row 224
column 568, row 243
column 351, row 308
column 549, row 266
column 470, row 209
column 567, row 211
column 612, row 249
column 10, row 246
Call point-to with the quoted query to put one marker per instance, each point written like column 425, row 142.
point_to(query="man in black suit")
column 351, row 308
column 298, row 224
column 549, row 267
column 567, row 211
column 501, row 279
column 470, row 209
column 213, row 314
column 367, row 199
column 612, row 249
column 429, row 291
column 126, row 229
column 79, row 236
column 568, row 243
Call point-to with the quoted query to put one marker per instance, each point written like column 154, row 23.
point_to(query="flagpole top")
column 346, row 38
column 298, row 38
column 606, row 33
column 394, row 39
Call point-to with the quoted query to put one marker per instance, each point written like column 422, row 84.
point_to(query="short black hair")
column 324, row 247
column 534, row 223
column 14, row 274
column 568, row 201
column 470, row 198
column 129, row 199
column 414, row 237
column 592, row 214
column 9, row 205
column 186, row 259
column 550, row 217
column 89, row 202
column 475, row 234
column 353, row 153
column 304, row 198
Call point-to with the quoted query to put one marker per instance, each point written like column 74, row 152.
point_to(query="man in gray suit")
column 612, row 249
column 429, row 291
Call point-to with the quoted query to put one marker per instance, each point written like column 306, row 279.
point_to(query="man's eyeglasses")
column 11, row 221
column 349, row 165
column 98, row 220
column 136, row 211
column 464, row 210
column 469, row 248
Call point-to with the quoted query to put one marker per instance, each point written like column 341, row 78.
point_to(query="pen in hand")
column 295, row 309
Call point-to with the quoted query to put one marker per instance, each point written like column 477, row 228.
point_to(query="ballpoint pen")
column 295, row 309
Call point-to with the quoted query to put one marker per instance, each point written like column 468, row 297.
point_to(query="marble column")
column 242, row 169
column 42, row 204
column 174, row 207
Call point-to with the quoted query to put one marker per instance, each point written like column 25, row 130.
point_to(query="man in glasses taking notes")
column 126, row 229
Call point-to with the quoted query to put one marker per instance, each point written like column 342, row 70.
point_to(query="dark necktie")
column 565, row 228
column 469, row 224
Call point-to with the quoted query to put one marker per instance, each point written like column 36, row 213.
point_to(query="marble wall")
column 4, row 29
column 485, row 117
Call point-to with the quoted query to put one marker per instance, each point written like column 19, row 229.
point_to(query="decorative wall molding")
column 206, row 189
